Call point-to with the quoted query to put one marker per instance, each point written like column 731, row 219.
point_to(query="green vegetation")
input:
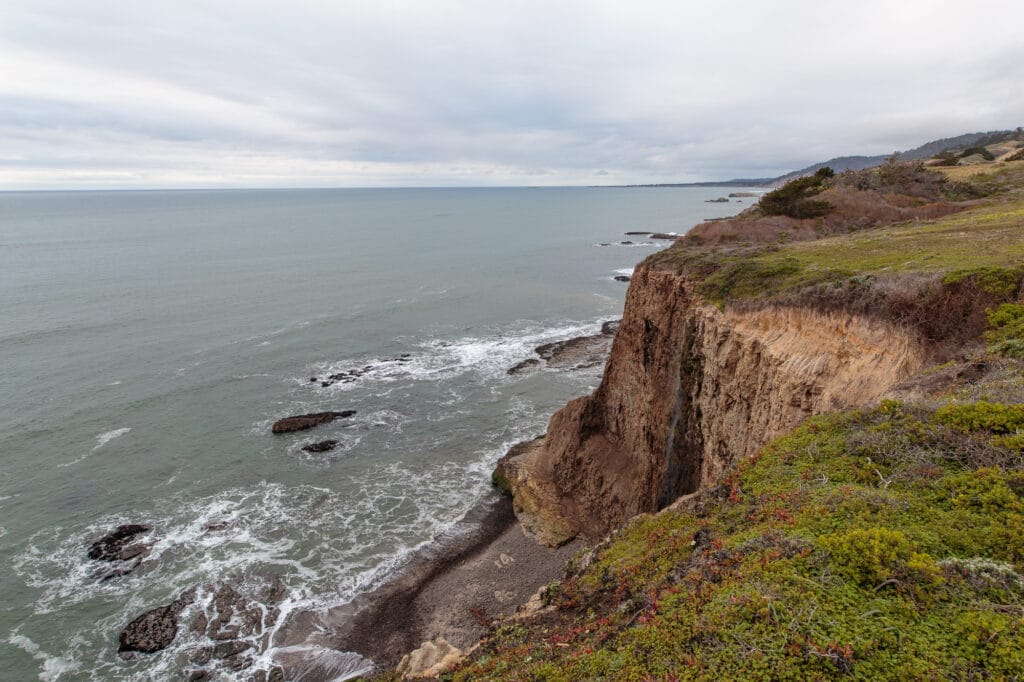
column 880, row 544
column 983, row 246
column 793, row 198
column 1006, row 330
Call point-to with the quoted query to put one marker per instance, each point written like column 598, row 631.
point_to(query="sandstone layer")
column 688, row 390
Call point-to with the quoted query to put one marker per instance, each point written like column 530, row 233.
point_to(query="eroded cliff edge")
column 687, row 391
column 731, row 338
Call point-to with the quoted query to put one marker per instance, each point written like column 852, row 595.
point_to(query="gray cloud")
column 304, row 93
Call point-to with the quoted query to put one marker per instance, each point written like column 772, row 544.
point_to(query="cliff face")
column 689, row 389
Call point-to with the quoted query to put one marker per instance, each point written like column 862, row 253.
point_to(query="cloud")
column 105, row 94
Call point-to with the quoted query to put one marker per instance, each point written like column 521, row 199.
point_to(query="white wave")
column 52, row 666
column 489, row 356
column 307, row 663
column 108, row 436
column 624, row 271
column 101, row 440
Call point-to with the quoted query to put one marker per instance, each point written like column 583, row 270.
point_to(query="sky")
column 346, row 93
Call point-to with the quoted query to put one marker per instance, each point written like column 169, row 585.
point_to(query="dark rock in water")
column 521, row 367
column 604, row 244
column 626, row 243
column 719, row 200
column 217, row 526
column 610, row 327
column 636, row 233
column 664, row 235
column 119, row 544
column 322, row 446
column 307, row 421
column 155, row 629
column 576, row 353
column 742, row 194
column 229, row 649
column 621, row 278
column 313, row 380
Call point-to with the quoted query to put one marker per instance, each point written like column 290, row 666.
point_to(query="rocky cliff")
column 688, row 390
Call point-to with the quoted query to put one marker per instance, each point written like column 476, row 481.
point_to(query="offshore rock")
column 621, row 278
column 120, row 544
column 155, row 629
column 307, row 421
column 322, row 446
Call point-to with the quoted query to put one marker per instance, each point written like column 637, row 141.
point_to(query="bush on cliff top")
column 882, row 544
column 793, row 198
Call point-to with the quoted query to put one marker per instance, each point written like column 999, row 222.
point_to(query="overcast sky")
column 96, row 93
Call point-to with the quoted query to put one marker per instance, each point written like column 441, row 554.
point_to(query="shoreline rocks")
column 155, row 629
column 520, row 367
column 579, row 352
column 302, row 422
column 348, row 376
column 664, row 235
column 123, row 548
column 120, row 544
column 622, row 278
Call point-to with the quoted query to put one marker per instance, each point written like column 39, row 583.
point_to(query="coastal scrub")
column 882, row 543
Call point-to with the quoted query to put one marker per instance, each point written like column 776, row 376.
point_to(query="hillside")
column 925, row 151
column 804, row 458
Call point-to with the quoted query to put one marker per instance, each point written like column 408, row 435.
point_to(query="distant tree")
column 793, row 198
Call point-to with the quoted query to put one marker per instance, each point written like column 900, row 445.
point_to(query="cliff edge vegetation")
column 806, row 456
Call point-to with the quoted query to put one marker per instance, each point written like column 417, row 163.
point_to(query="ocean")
column 149, row 339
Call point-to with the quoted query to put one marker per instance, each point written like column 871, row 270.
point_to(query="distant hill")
column 929, row 150
column 925, row 151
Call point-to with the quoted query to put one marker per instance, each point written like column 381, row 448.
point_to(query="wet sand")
column 483, row 568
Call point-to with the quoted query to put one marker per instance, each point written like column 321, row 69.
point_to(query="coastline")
column 483, row 568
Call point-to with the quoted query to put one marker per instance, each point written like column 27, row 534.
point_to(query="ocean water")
column 148, row 340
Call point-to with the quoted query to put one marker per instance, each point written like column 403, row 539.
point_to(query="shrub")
column 1006, row 333
column 999, row 282
column 981, row 151
column 870, row 557
column 793, row 198
column 982, row 416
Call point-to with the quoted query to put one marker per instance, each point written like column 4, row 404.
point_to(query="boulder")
column 430, row 660
column 719, row 200
column 610, row 327
column 302, row 422
column 622, row 278
column 630, row 234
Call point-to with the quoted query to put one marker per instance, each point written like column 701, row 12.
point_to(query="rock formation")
column 307, row 421
column 688, row 390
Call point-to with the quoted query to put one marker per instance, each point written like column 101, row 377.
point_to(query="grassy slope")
column 990, row 236
column 886, row 543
